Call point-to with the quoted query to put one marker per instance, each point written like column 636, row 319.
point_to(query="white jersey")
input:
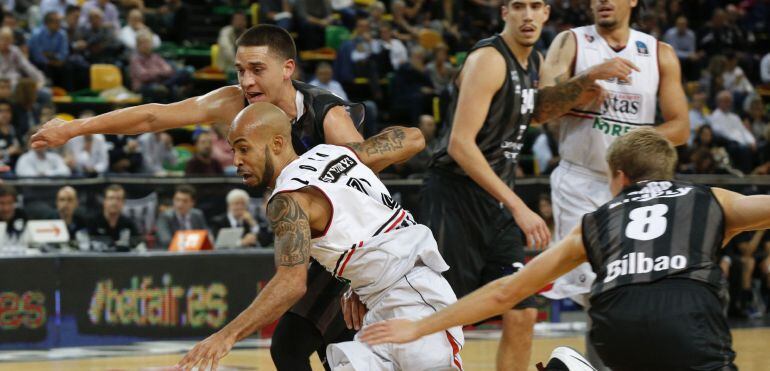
column 587, row 132
column 370, row 241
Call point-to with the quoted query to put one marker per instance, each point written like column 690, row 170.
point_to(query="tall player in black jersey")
column 265, row 61
column 468, row 200
column 654, row 304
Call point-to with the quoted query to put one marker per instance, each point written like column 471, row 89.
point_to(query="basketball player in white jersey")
column 579, row 183
column 329, row 204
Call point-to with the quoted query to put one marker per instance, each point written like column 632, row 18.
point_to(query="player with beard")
column 468, row 200
column 265, row 61
column 579, row 183
column 329, row 204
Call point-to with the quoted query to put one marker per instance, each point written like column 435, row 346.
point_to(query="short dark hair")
column 8, row 190
column 114, row 188
column 277, row 40
column 71, row 9
column 186, row 189
column 49, row 16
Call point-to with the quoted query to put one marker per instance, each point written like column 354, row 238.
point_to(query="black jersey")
column 500, row 137
column 655, row 230
column 308, row 129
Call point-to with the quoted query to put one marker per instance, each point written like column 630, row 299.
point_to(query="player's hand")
column 615, row 68
column 54, row 133
column 207, row 353
column 533, row 226
column 397, row 331
column 353, row 310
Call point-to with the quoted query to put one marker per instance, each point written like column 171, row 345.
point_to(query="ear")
column 288, row 68
column 278, row 144
column 504, row 9
column 634, row 3
column 547, row 12
column 624, row 179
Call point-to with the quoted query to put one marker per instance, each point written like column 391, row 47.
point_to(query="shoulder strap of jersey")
column 320, row 101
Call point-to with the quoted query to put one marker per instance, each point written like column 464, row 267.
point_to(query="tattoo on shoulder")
column 292, row 231
column 385, row 142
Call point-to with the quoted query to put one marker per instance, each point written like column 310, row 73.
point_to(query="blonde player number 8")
column 647, row 222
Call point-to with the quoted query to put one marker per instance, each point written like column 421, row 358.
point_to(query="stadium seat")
column 215, row 55
column 429, row 38
column 335, row 36
column 254, row 12
column 105, row 76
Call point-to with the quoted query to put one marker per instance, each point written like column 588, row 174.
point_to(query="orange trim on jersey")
column 342, row 268
column 455, row 350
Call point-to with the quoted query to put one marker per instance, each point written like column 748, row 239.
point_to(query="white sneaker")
column 568, row 359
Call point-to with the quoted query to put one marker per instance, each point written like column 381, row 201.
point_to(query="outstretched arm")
column 494, row 298
column 743, row 213
column 393, row 145
column 291, row 225
column 212, row 107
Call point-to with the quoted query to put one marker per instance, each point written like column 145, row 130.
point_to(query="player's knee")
column 520, row 319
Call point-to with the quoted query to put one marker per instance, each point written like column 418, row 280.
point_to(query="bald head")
column 261, row 139
column 263, row 120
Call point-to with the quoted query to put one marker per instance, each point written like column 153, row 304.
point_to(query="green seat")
column 335, row 35
column 183, row 156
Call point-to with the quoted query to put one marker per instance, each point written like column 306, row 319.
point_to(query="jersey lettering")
column 527, row 101
column 638, row 263
column 337, row 168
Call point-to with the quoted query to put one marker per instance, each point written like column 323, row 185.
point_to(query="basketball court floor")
column 751, row 344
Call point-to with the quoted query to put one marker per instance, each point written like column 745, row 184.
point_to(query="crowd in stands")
column 399, row 57
column 412, row 47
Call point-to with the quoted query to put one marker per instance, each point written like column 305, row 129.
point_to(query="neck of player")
column 519, row 51
column 288, row 101
column 617, row 36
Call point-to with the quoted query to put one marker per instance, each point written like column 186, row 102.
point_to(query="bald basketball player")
column 265, row 62
column 329, row 204
column 655, row 302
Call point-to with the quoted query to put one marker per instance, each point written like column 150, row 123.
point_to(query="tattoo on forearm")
column 388, row 141
column 554, row 101
column 292, row 231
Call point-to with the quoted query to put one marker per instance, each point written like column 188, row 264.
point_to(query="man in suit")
column 237, row 216
column 182, row 216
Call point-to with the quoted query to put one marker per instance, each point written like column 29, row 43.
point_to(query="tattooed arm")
column 562, row 91
column 393, row 145
column 291, row 225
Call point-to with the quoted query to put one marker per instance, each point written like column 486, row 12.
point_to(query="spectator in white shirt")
column 157, row 149
column 41, row 162
column 396, row 49
column 135, row 25
column 88, row 154
column 729, row 126
column 324, row 79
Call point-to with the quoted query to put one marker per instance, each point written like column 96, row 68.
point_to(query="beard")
column 607, row 23
column 267, row 174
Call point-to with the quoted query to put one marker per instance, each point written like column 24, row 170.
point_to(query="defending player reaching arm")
column 653, row 249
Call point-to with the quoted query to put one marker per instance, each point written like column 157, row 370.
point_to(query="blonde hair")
column 643, row 154
column 237, row 194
